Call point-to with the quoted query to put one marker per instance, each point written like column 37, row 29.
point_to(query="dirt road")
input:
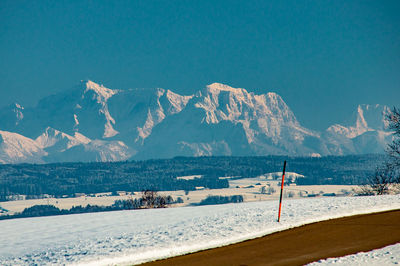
column 301, row 245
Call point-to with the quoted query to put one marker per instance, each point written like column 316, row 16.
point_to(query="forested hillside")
column 68, row 178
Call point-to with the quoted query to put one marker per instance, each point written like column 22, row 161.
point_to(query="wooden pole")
column 280, row 200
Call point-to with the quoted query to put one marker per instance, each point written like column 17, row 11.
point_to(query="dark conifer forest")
column 60, row 179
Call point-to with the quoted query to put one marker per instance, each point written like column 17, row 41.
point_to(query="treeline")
column 212, row 200
column 68, row 178
column 50, row 210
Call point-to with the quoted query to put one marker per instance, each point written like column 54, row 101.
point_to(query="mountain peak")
column 100, row 90
column 217, row 87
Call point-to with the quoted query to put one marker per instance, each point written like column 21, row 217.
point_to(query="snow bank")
column 389, row 255
column 132, row 237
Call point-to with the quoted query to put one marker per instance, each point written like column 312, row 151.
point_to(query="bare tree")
column 387, row 176
column 380, row 183
column 393, row 149
column 150, row 199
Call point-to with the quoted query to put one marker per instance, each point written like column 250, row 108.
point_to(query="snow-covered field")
column 249, row 188
column 389, row 255
column 131, row 237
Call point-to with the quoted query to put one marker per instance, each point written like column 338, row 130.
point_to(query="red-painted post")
column 280, row 200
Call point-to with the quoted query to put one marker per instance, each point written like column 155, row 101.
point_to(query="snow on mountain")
column 82, row 109
column 138, row 111
column 55, row 146
column 367, row 118
column 157, row 123
column 265, row 114
column 101, row 94
column 11, row 116
column 94, row 151
column 55, row 139
column 366, row 133
column 175, row 102
column 81, row 138
column 221, row 120
column 18, row 111
column 108, row 150
column 65, row 148
column 15, row 148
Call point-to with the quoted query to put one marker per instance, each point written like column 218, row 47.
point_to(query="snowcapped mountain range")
column 93, row 123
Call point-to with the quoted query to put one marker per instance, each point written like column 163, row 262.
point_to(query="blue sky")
column 322, row 57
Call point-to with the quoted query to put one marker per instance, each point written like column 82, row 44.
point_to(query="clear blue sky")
column 322, row 57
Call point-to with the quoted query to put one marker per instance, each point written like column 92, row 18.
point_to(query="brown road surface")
column 301, row 245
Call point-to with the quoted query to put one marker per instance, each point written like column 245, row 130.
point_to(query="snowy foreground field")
column 132, row 237
column 389, row 255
